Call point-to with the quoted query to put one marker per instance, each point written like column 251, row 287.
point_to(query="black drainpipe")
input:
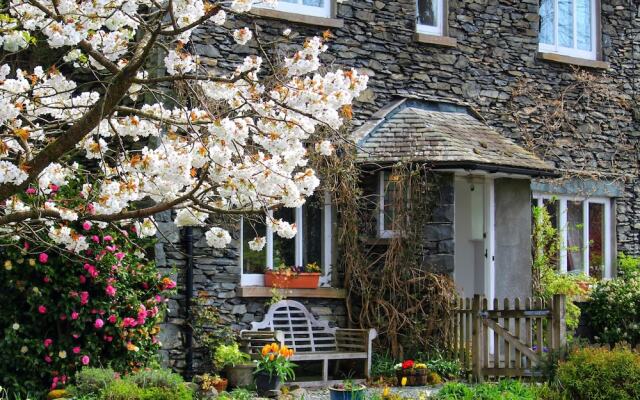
column 188, row 244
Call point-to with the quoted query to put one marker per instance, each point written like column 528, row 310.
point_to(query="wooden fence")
column 506, row 338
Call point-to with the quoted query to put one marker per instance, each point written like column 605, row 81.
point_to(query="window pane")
column 575, row 242
column 596, row 239
column 312, row 226
column 583, row 21
column 253, row 262
column 546, row 22
column 314, row 3
column 284, row 250
column 389, row 200
column 565, row 23
column 291, row 1
column 552, row 207
column 428, row 12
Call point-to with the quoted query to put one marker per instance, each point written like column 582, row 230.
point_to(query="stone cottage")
column 514, row 103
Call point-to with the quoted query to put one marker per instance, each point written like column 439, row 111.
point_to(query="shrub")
column 504, row 390
column 383, row 365
column 600, row 374
column 628, row 265
column 90, row 381
column 444, row 367
column 158, row 378
column 61, row 311
column 615, row 310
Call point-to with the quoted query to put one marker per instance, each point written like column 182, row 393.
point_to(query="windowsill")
column 437, row 40
column 583, row 62
column 298, row 18
column 318, row 293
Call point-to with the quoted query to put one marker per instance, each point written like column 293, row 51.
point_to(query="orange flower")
column 274, row 347
column 265, row 350
column 272, row 357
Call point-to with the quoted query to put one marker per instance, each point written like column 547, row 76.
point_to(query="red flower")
column 407, row 364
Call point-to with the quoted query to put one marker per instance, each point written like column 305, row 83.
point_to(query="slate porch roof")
column 443, row 134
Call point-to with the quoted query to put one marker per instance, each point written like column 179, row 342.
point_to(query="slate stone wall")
column 494, row 70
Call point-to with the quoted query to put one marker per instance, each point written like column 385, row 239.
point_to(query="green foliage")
column 547, row 281
column 550, row 361
column 600, row 374
column 615, row 310
column 230, row 355
column 236, row 394
column 628, row 265
column 90, row 381
column 383, row 365
column 503, row 390
column 275, row 361
column 444, row 367
column 209, row 329
column 150, row 384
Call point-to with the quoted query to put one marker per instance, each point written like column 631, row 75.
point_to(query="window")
column 568, row 27
column 312, row 243
column 430, row 17
column 316, row 8
column 386, row 205
column 585, row 230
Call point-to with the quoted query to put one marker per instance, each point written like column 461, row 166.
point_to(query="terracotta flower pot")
column 302, row 280
column 221, row 386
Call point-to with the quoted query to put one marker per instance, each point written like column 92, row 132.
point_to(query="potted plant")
column 273, row 368
column 411, row 373
column 208, row 382
column 236, row 365
column 286, row 277
column 347, row 390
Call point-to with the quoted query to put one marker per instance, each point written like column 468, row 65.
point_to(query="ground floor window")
column 313, row 242
column 586, row 233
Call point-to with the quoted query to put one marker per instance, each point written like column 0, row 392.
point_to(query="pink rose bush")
column 74, row 310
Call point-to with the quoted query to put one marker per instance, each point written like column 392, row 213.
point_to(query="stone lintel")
column 298, row 18
column 583, row 62
column 318, row 293
column 437, row 40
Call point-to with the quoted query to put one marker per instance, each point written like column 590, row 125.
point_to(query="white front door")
column 474, row 261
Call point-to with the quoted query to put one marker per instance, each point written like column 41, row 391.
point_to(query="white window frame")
column 608, row 256
column 573, row 51
column 327, row 246
column 437, row 30
column 299, row 8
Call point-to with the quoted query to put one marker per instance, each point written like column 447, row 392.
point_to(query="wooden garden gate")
column 507, row 339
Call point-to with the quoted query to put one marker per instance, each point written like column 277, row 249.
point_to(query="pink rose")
column 42, row 309
column 54, row 188
column 107, row 238
column 112, row 319
column 63, row 317
column 85, row 360
column 74, row 315
column 75, row 335
column 82, row 279
column 30, row 191
column 46, row 279
column 110, row 290
column 91, row 208
column 119, row 256
column 128, row 322
column 47, row 359
column 43, row 258
column 76, row 350
column 47, row 342
column 111, row 248
column 98, row 324
column 84, row 298
column 95, row 238
column 26, row 246
column 108, row 338
column 86, row 225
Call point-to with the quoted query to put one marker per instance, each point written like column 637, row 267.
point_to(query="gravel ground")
column 407, row 392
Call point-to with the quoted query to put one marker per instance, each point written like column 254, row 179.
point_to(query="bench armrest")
column 355, row 339
column 252, row 342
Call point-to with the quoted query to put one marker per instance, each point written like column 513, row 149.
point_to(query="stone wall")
column 494, row 70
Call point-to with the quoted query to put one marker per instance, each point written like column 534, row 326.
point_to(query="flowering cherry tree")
column 239, row 144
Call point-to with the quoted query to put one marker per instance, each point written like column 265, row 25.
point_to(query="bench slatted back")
column 302, row 331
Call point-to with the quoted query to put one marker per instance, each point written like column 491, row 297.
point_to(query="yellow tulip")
column 403, row 382
column 385, row 391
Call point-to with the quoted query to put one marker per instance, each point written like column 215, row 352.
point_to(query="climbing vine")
column 388, row 287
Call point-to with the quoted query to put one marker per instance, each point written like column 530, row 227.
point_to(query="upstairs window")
column 430, row 17
column 568, row 27
column 316, row 8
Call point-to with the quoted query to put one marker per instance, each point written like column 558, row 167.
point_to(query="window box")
column 301, row 280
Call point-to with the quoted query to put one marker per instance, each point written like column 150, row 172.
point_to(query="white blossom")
column 242, row 36
column 257, row 244
column 217, row 238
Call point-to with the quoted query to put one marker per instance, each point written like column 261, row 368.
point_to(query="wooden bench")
column 290, row 323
